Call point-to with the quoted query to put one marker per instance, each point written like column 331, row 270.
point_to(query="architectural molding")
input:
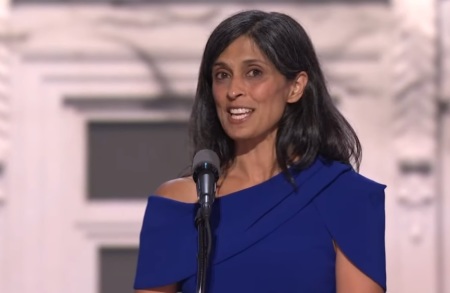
column 107, row 33
column 415, row 105
column 87, row 30
column 414, row 134
column 111, row 233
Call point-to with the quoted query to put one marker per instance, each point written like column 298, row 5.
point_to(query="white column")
column 414, row 85
column 4, row 122
column 4, row 91
column 444, row 15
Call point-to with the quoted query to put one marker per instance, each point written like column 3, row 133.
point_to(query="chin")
column 251, row 136
column 239, row 137
column 244, row 137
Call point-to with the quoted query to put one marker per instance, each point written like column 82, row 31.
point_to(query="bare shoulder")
column 180, row 189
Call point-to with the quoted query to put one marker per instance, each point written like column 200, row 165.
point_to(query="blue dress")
column 272, row 237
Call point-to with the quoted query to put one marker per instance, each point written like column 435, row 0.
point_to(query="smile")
column 240, row 113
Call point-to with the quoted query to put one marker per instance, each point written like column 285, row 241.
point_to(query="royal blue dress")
column 270, row 238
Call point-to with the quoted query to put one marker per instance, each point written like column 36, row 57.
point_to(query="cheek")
column 217, row 93
column 219, row 97
column 271, row 98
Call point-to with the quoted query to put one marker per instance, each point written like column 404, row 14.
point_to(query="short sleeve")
column 167, row 247
column 354, row 213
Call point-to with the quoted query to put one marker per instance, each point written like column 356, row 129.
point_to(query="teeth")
column 240, row 116
column 235, row 111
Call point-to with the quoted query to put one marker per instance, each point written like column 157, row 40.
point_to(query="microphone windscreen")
column 206, row 156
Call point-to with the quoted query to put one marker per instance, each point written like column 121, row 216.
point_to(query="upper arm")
column 349, row 279
column 165, row 289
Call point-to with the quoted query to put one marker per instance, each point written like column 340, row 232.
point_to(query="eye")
column 254, row 73
column 220, row 75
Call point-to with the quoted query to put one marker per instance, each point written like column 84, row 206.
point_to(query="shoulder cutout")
column 180, row 189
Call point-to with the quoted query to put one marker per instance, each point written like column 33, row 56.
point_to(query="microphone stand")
column 206, row 167
column 204, row 245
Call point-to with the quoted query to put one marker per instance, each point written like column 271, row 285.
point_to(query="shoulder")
column 355, row 181
column 344, row 188
column 351, row 191
column 180, row 189
column 351, row 180
column 342, row 177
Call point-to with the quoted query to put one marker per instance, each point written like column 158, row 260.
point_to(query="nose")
column 235, row 89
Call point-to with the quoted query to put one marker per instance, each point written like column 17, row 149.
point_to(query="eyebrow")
column 247, row 61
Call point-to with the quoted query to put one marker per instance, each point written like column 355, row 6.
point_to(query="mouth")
column 239, row 113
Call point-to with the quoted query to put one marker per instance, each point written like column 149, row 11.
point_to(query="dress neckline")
column 230, row 196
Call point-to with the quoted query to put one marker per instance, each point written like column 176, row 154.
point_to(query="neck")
column 256, row 163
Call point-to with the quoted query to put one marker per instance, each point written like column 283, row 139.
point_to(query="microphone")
column 206, row 166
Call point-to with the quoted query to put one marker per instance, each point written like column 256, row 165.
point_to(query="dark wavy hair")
column 309, row 128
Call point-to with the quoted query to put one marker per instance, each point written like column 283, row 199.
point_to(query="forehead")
column 243, row 48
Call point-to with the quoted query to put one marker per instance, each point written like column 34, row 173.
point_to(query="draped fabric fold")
column 356, row 221
column 168, row 247
column 251, row 228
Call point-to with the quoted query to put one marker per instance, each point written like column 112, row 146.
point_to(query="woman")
column 291, row 214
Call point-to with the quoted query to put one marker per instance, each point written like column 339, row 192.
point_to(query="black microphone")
column 206, row 167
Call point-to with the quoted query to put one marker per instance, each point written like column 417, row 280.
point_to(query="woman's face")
column 250, row 93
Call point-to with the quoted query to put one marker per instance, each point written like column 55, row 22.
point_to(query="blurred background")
column 94, row 101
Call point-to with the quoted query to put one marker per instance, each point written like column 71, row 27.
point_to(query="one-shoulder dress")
column 272, row 237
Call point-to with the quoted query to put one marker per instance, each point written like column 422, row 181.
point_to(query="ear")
column 298, row 87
